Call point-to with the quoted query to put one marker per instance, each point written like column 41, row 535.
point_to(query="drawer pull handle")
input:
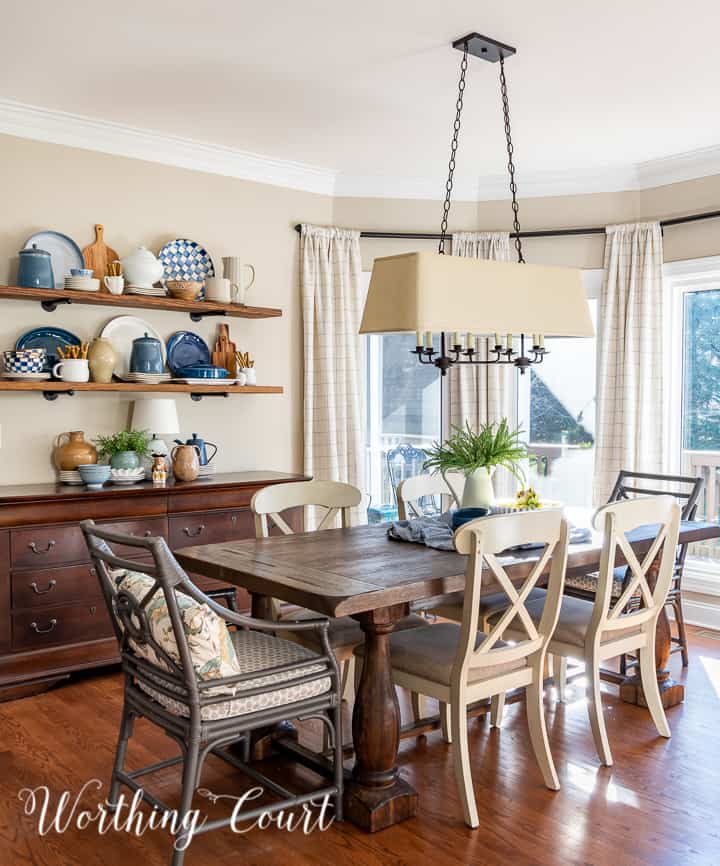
column 36, row 589
column 194, row 533
column 146, row 534
column 36, row 628
column 39, row 552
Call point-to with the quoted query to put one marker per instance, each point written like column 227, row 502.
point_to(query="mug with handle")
column 233, row 270
column 72, row 370
column 114, row 285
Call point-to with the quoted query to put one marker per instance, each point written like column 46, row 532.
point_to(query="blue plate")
column 49, row 339
column 186, row 260
column 64, row 253
column 201, row 371
column 185, row 349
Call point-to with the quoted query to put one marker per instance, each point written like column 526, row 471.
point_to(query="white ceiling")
column 368, row 89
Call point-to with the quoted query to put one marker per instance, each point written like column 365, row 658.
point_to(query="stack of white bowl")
column 81, row 280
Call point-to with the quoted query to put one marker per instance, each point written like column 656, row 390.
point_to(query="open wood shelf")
column 51, row 390
column 197, row 310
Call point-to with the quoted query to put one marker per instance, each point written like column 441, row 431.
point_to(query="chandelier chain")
column 453, row 152
column 511, row 164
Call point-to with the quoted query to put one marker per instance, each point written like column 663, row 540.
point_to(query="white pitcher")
column 478, row 491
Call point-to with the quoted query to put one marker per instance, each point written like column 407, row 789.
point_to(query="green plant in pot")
column 123, row 449
column 477, row 454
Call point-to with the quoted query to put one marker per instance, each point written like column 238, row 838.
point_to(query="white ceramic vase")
column 478, row 491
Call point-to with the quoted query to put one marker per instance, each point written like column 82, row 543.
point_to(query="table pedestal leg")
column 377, row 797
column 671, row 692
column 262, row 739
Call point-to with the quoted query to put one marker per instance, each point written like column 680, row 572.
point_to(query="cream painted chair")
column 411, row 490
column 458, row 665
column 338, row 498
column 592, row 632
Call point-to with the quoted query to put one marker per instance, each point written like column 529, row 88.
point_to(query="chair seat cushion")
column 429, row 652
column 344, row 631
column 257, row 651
column 573, row 622
column 452, row 605
column 589, row 582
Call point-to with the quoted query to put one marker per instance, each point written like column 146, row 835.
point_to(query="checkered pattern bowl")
column 25, row 361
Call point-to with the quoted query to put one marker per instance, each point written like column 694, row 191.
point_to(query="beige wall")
column 48, row 186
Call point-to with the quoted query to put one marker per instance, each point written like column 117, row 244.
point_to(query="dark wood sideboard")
column 53, row 619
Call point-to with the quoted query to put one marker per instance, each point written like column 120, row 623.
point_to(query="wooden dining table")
column 360, row 572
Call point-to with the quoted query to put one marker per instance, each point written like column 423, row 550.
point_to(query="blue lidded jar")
column 35, row 270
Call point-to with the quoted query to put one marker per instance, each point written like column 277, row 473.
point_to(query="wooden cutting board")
column 224, row 353
column 98, row 255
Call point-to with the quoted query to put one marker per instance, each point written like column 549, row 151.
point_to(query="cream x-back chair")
column 338, row 498
column 594, row 631
column 457, row 664
column 411, row 490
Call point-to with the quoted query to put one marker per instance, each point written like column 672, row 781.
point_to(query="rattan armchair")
column 279, row 680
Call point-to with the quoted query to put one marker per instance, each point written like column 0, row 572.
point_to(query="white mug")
column 218, row 289
column 72, row 370
column 233, row 271
column 114, row 285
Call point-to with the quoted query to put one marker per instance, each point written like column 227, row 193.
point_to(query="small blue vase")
column 125, row 460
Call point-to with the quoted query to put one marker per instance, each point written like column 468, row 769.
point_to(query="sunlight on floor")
column 594, row 780
column 712, row 669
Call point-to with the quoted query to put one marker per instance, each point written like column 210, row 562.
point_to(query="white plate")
column 29, row 376
column 121, row 332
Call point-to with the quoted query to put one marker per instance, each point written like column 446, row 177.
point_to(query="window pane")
column 701, row 379
column 557, row 413
column 404, row 407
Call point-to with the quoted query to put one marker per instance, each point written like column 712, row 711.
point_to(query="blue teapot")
column 201, row 446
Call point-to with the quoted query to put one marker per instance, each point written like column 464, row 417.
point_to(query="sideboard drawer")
column 47, row 545
column 51, row 586
column 141, row 528
column 210, row 527
column 66, row 624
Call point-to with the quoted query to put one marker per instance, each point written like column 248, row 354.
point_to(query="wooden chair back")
column 618, row 520
column 410, row 491
column 482, row 541
column 335, row 496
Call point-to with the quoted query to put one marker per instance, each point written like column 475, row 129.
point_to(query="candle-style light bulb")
column 509, row 341
column 456, row 339
column 541, row 341
column 428, row 340
column 468, row 340
column 498, row 342
column 418, row 339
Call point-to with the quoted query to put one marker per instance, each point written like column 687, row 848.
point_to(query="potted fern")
column 477, row 455
column 124, row 449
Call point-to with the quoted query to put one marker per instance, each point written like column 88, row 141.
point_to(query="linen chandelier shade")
column 156, row 415
column 426, row 291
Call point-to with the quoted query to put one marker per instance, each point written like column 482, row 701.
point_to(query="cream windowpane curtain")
column 332, row 300
column 630, row 402
column 484, row 394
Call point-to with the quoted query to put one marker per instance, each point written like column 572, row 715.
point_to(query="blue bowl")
column 94, row 474
column 201, row 371
column 465, row 515
column 81, row 272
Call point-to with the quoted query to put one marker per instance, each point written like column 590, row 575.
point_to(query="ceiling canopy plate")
column 484, row 47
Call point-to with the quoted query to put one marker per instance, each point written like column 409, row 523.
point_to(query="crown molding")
column 73, row 130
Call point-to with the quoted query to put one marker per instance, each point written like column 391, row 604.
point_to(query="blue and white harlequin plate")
column 186, row 260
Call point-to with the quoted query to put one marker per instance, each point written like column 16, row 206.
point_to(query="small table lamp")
column 158, row 417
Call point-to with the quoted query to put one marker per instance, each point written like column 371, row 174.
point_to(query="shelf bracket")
column 51, row 306
column 51, row 396
column 198, row 317
column 197, row 397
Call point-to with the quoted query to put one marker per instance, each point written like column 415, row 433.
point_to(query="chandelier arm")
column 453, row 152
column 511, row 163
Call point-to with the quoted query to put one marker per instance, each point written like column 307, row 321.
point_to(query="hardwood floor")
column 656, row 807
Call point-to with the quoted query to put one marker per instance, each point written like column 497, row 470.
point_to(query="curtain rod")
column 541, row 233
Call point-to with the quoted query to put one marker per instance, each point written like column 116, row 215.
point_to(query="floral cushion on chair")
column 212, row 651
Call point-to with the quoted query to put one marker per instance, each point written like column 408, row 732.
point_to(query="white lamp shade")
column 431, row 292
column 156, row 416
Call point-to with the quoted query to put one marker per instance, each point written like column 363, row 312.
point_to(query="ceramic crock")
column 146, row 356
column 35, row 270
column 74, row 452
column 186, row 462
column 142, row 269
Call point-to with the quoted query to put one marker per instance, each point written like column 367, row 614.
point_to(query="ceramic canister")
column 102, row 358
column 35, row 270
column 74, row 452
